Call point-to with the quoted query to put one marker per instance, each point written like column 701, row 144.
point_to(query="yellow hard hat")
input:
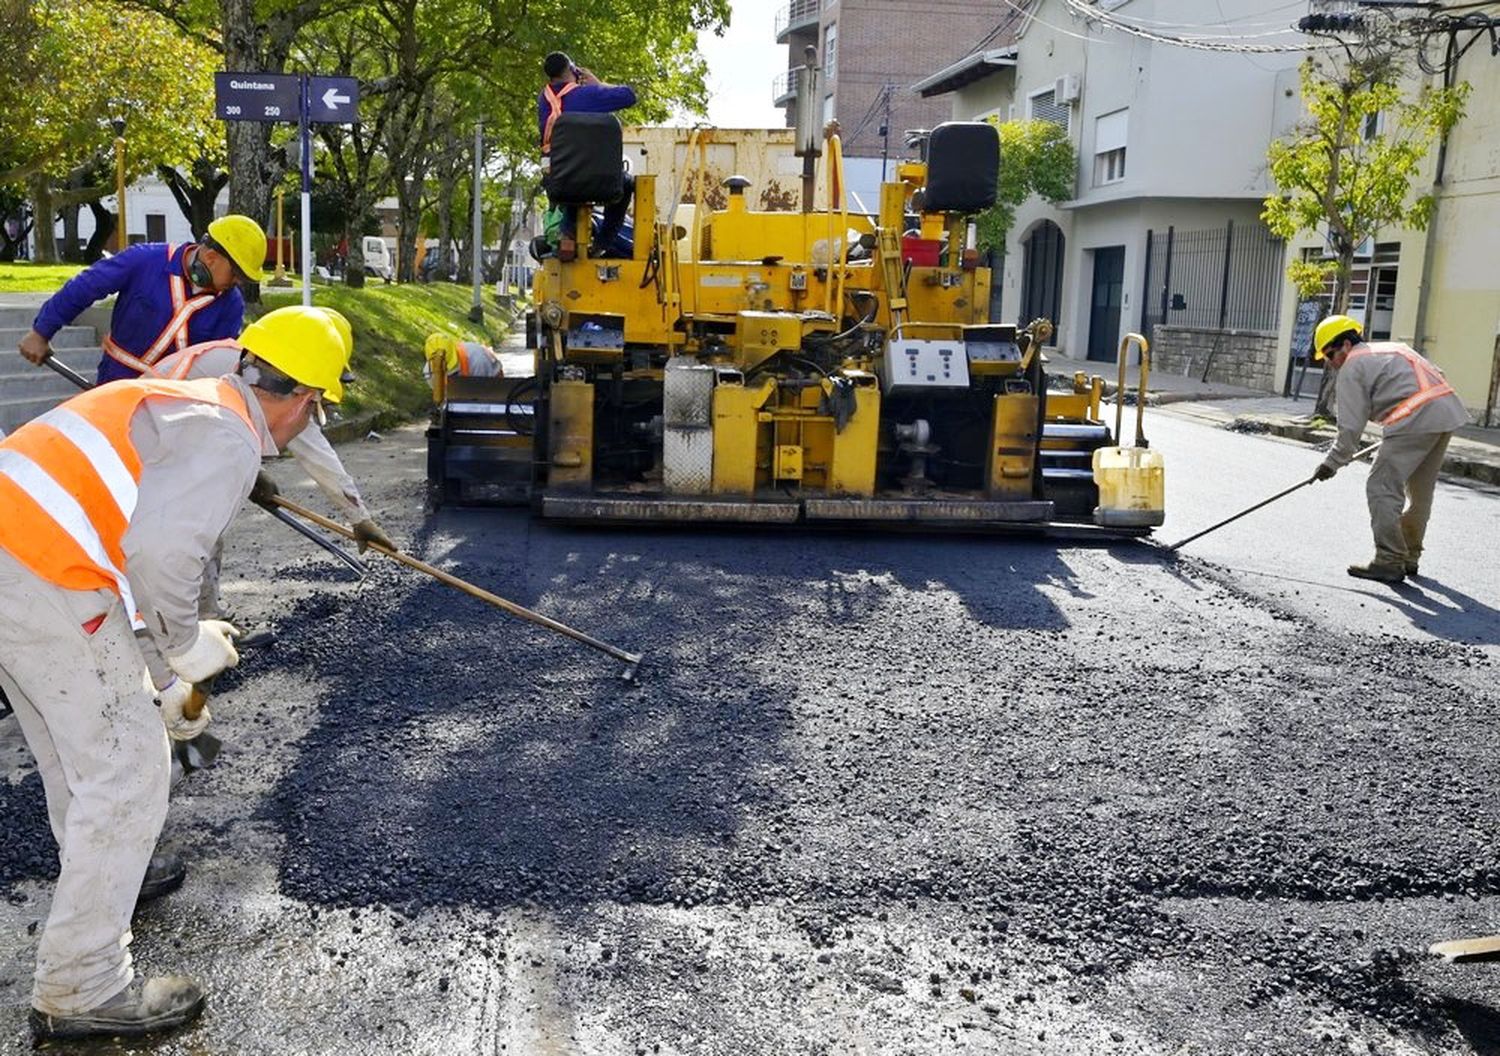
column 1330, row 329
column 341, row 324
column 302, row 343
column 241, row 240
column 447, row 345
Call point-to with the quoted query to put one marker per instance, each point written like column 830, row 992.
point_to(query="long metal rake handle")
column 630, row 660
column 1265, row 502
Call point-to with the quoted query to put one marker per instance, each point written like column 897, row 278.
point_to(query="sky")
column 741, row 66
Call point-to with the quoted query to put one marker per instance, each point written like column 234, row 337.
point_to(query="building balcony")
column 799, row 14
column 784, row 87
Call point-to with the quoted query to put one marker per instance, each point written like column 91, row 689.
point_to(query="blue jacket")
column 141, row 276
column 585, row 99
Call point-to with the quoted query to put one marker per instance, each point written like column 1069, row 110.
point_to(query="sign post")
column 283, row 98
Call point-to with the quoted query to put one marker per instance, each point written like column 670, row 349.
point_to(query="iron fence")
column 1227, row 278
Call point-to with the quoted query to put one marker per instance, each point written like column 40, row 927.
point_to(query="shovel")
column 200, row 752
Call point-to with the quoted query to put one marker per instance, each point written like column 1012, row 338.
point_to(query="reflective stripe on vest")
column 183, row 362
column 555, row 108
column 69, row 481
column 176, row 330
column 1431, row 385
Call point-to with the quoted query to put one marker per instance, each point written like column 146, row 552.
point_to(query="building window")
column 156, row 227
column 1043, row 106
column 1109, row 146
column 830, row 52
column 1109, row 167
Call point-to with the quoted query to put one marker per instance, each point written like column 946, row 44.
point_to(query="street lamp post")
column 120, row 237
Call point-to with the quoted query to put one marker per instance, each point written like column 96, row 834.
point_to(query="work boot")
column 1411, row 569
column 157, row 1004
column 1377, row 571
column 164, row 875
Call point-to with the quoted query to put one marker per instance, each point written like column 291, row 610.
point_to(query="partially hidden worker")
column 113, row 503
column 311, row 449
column 455, row 358
column 167, row 297
column 1409, row 398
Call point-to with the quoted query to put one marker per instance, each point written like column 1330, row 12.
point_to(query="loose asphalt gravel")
column 870, row 794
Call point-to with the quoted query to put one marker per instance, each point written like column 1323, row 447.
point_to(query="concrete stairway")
column 27, row 391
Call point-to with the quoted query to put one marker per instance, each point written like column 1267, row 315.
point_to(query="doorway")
column 1107, row 302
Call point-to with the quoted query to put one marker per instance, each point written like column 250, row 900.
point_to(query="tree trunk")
column 446, row 190
column 409, row 218
column 69, row 249
column 46, row 219
column 104, row 228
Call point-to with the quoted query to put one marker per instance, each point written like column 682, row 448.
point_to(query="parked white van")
column 377, row 257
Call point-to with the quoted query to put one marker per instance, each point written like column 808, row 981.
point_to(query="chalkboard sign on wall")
column 1308, row 314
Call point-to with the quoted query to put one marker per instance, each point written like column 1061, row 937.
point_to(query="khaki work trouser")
column 1399, row 491
column 102, row 753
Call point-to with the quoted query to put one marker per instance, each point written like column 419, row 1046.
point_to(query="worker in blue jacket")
column 575, row 89
column 168, row 297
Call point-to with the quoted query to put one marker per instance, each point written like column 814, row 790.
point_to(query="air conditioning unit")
column 1068, row 87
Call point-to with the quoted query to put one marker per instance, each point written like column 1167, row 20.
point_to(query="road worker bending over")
column 169, row 297
column 453, row 358
column 113, row 502
column 1406, row 395
column 311, row 449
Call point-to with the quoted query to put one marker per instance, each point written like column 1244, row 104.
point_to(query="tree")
column 93, row 62
column 1350, row 166
column 1036, row 157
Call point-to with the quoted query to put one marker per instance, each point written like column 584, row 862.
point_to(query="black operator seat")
column 588, row 155
column 963, row 165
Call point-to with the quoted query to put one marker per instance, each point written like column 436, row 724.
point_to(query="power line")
column 1200, row 43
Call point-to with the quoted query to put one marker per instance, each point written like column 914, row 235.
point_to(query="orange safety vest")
column 466, row 350
column 1431, row 385
column 176, row 330
column 69, row 482
column 554, row 111
column 188, row 358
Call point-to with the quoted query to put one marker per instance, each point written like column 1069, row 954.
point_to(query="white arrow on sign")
column 332, row 98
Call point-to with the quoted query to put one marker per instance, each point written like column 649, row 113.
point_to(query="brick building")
column 871, row 52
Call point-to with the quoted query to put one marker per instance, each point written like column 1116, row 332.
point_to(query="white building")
column 1169, row 138
column 151, row 215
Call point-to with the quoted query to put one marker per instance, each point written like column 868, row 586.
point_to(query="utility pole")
column 476, row 311
column 885, row 132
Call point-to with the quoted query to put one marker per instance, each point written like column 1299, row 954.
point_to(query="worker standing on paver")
column 311, row 449
column 167, row 297
column 113, row 501
column 1417, row 410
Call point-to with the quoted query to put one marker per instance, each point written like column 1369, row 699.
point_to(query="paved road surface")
column 873, row 795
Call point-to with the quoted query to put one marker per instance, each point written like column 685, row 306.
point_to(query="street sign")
column 291, row 98
column 257, row 96
column 333, row 100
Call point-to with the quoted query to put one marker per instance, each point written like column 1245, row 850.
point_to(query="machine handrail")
column 1140, row 398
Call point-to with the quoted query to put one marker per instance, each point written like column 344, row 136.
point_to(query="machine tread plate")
column 929, row 511
column 668, row 509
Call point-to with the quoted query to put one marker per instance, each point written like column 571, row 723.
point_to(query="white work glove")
column 211, row 652
column 172, row 699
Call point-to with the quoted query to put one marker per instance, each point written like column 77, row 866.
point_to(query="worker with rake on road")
column 1418, row 411
column 311, row 449
column 113, row 502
